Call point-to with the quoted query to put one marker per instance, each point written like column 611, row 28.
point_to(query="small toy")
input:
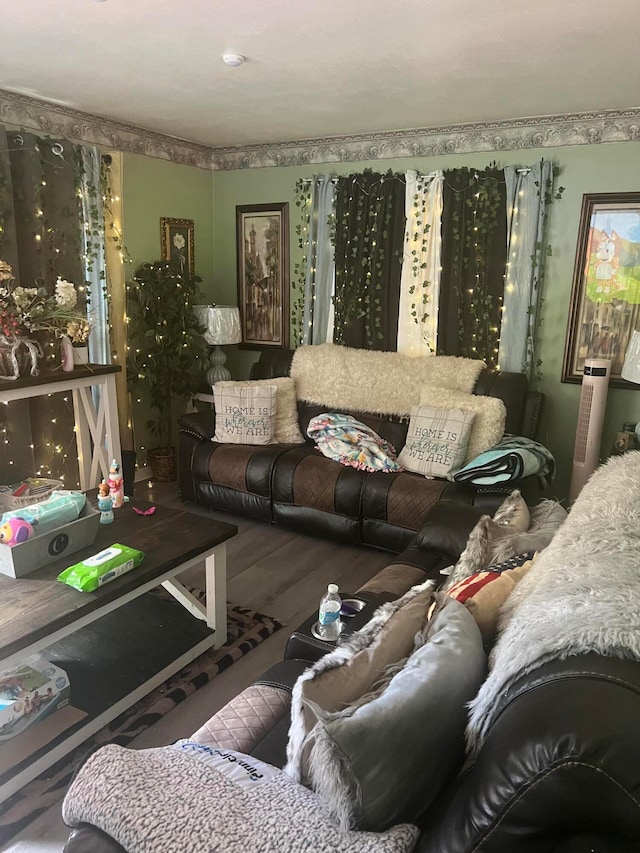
column 15, row 530
column 105, row 503
column 116, row 486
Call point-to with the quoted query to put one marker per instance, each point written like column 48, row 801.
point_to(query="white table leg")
column 216, row 580
column 83, row 439
column 112, row 428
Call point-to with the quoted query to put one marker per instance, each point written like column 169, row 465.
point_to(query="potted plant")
column 167, row 351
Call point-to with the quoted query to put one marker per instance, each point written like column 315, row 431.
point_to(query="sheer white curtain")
column 317, row 322
column 94, row 254
column 420, row 281
column 527, row 191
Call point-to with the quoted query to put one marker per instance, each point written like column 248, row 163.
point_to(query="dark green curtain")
column 370, row 222
column 40, row 236
column 474, row 257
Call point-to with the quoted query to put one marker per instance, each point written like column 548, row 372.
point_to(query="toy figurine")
column 15, row 530
column 105, row 503
column 116, row 486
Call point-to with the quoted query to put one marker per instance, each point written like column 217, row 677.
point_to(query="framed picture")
column 605, row 298
column 176, row 241
column 262, row 234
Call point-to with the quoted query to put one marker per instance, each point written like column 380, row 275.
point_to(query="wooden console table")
column 97, row 433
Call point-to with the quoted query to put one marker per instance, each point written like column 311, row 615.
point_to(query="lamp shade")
column 631, row 366
column 222, row 323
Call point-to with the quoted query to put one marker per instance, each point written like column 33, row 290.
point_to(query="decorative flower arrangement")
column 31, row 309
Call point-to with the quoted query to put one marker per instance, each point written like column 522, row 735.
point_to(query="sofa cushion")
column 377, row 726
column 436, row 441
column 512, row 517
column 192, row 797
column 489, row 421
column 245, row 414
column 286, row 430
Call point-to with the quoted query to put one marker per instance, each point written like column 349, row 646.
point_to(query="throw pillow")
column 490, row 415
column 436, row 441
column 245, row 415
column 286, row 430
column 546, row 518
column 382, row 757
column 484, row 593
column 190, row 797
column 512, row 517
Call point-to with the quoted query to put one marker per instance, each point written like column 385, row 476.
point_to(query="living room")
column 592, row 141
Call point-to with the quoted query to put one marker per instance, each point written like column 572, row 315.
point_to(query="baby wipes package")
column 96, row 571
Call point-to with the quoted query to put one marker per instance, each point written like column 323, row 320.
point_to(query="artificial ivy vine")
column 303, row 203
column 420, row 287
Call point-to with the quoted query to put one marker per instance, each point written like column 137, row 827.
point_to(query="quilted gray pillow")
column 383, row 758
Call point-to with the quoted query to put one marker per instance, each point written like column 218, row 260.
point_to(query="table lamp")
column 222, row 325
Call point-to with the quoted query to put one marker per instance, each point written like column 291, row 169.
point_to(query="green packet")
column 103, row 567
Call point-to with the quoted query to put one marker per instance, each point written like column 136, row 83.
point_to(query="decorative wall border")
column 513, row 134
column 67, row 123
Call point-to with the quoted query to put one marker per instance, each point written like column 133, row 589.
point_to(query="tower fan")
column 593, row 400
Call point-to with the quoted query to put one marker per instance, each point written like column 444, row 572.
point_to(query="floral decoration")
column 24, row 310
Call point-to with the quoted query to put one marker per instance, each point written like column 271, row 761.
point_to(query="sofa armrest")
column 562, row 758
column 199, row 424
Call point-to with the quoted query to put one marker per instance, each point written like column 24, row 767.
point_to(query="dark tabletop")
column 35, row 606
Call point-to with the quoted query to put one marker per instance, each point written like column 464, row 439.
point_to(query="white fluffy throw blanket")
column 368, row 381
column 581, row 595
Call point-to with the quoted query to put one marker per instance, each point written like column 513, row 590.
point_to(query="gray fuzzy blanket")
column 581, row 595
column 191, row 798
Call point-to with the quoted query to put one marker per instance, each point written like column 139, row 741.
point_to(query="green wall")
column 583, row 169
column 152, row 189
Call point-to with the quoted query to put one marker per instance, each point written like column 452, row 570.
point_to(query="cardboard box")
column 29, row 692
column 19, row 560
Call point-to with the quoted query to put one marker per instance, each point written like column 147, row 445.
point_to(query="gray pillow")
column 382, row 759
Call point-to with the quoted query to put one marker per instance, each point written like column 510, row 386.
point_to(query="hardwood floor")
column 275, row 571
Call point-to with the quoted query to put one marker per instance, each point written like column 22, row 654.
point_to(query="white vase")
column 66, row 353
column 80, row 354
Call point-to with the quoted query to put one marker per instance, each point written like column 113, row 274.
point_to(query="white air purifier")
column 593, row 400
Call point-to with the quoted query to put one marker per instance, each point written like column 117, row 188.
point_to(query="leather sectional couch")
column 297, row 487
column 558, row 766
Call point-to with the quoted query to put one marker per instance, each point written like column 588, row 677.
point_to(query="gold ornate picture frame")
column 262, row 235
column 605, row 297
column 177, row 244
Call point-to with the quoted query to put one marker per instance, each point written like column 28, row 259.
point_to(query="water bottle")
column 329, row 614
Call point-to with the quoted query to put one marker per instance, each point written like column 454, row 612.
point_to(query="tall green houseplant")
column 167, row 351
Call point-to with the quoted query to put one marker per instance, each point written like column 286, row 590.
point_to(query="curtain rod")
column 525, row 170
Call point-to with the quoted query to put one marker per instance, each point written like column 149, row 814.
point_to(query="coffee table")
column 121, row 641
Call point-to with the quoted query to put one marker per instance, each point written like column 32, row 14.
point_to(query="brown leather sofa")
column 297, row 487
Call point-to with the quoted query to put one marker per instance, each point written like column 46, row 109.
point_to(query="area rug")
column 246, row 630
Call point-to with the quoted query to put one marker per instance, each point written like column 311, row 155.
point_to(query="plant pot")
column 80, row 354
column 162, row 461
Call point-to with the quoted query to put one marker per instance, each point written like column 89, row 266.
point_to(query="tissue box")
column 18, row 560
column 29, row 692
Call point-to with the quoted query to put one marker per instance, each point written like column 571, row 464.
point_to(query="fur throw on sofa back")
column 581, row 595
column 368, row 381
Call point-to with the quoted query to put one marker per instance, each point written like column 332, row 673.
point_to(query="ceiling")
column 318, row 68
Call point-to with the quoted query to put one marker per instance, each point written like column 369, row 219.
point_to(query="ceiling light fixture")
column 233, row 59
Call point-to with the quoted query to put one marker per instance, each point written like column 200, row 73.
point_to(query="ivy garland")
column 421, row 285
column 365, row 216
column 303, row 203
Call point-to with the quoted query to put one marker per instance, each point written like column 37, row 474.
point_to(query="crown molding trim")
column 514, row 134
column 56, row 120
